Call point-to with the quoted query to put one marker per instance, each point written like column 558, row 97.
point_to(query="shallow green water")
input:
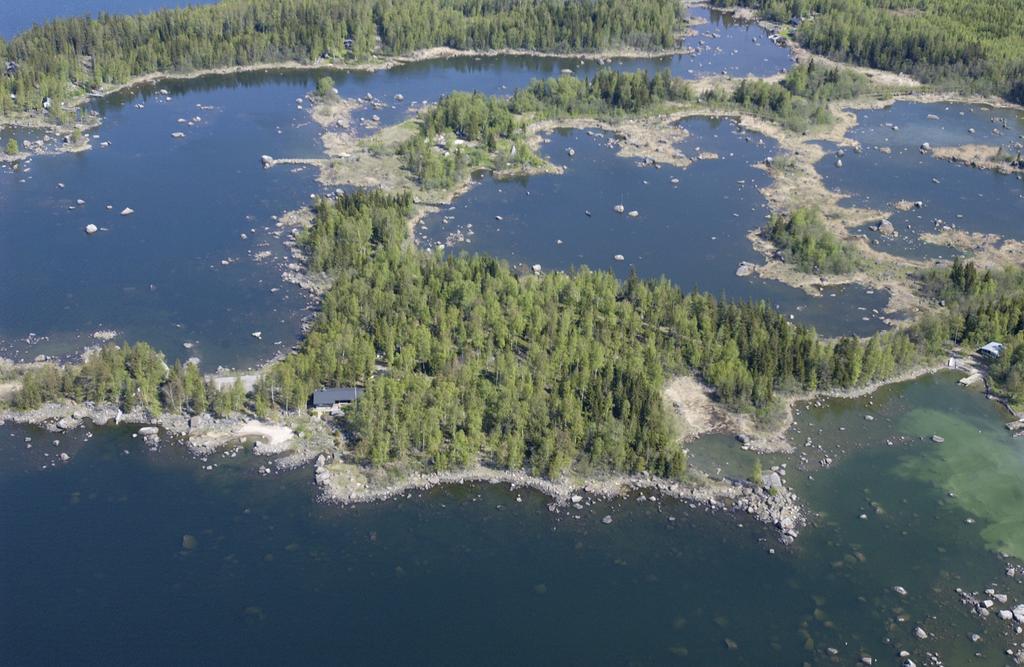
column 980, row 464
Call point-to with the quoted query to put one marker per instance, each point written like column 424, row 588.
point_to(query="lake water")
column 474, row 575
column 178, row 272
column 19, row 15
column 973, row 200
column 693, row 232
column 126, row 555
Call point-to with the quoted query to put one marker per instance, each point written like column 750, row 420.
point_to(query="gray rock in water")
column 938, row 439
column 91, row 229
column 607, row 519
column 745, row 269
column 885, row 228
column 1018, row 613
column 920, row 633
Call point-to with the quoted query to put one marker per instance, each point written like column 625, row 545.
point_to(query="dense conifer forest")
column 68, row 57
column 960, row 43
column 472, row 130
column 800, row 100
column 465, row 359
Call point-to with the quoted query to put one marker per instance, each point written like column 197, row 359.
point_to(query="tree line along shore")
column 954, row 44
column 65, row 59
column 465, row 360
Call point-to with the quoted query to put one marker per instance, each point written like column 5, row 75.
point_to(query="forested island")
column 64, row 59
column 466, row 359
column 551, row 372
column 951, row 43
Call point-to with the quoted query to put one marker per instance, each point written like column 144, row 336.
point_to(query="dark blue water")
column 94, row 570
column 907, row 125
column 964, row 198
column 158, row 274
column 19, row 15
column 694, row 232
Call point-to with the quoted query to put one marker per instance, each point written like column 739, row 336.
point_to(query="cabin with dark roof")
column 334, row 398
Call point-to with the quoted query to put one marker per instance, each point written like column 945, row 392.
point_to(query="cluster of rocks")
column 773, row 503
column 991, row 604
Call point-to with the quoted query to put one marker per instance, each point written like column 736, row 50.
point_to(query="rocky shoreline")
column 202, row 434
column 770, row 503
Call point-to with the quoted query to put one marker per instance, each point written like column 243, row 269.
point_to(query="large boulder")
column 885, row 228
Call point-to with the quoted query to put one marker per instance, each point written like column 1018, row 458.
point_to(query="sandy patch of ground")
column 271, row 438
column 691, row 403
column 696, row 413
column 8, row 390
